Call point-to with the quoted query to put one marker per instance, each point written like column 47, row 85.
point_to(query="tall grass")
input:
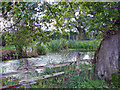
column 41, row 49
column 70, row 79
column 61, row 44
column 84, row 45
column 57, row 45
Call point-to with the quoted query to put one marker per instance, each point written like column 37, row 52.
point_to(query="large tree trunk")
column 106, row 57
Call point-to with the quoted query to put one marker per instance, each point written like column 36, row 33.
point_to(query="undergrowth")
column 70, row 79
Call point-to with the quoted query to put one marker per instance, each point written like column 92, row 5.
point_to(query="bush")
column 30, row 52
column 54, row 45
column 8, row 54
column 57, row 45
column 2, row 41
column 64, row 44
column 41, row 49
column 115, row 80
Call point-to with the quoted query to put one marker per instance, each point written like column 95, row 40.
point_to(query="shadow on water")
column 63, row 56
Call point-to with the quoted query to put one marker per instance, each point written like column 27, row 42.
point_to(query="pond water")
column 63, row 56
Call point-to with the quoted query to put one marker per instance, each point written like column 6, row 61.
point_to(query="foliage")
column 10, row 81
column 102, row 17
column 116, row 80
column 77, row 82
column 70, row 79
column 90, row 17
column 8, row 54
column 106, row 15
column 64, row 44
column 54, row 45
column 23, row 31
column 3, row 40
column 57, row 45
column 97, row 17
column 8, row 47
column 41, row 49
column 84, row 45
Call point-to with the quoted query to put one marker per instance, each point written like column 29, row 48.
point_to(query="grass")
column 41, row 49
column 84, row 45
column 9, row 81
column 70, row 79
column 9, row 47
column 57, row 45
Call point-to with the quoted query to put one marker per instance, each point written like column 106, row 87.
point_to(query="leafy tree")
column 105, row 20
column 65, row 16
column 24, row 26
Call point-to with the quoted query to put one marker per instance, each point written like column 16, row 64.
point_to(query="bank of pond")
column 40, row 48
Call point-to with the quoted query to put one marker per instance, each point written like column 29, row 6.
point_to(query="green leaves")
column 116, row 80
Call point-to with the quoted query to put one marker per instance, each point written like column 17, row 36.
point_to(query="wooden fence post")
column 26, row 76
column 78, row 70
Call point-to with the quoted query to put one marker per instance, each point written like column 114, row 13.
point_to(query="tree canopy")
column 28, row 18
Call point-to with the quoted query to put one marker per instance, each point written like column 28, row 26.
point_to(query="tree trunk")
column 84, row 36
column 106, row 57
column 80, row 32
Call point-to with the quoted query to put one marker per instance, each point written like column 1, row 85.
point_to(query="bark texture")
column 106, row 57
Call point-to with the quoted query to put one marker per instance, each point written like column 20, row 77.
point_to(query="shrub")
column 3, row 41
column 41, row 49
column 115, row 80
column 54, row 45
column 57, row 45
column 64, row 44
column 30, row 52
column 7, row 54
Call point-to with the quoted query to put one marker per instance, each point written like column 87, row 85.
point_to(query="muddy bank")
column 11, row 54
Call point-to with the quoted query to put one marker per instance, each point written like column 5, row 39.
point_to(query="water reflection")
column 64, row 56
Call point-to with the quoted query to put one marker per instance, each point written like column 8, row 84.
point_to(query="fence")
column 29, row 81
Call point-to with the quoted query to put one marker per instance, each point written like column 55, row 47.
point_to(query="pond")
column 63, row 56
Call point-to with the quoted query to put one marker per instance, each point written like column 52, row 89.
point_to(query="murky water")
column 63, row 56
